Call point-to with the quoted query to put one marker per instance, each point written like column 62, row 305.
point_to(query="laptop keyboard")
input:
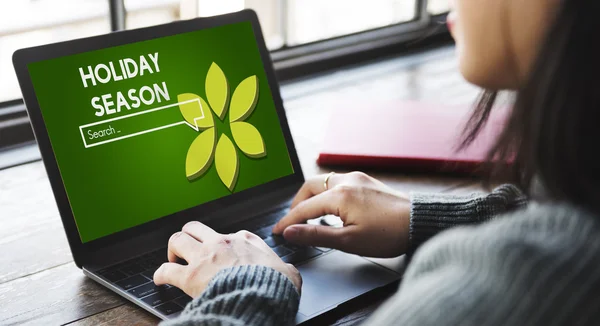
column 135, row 275
column 288, row 252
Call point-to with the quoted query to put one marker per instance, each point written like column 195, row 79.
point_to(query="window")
column 314, row 20
column 143, row 13
column 287, row 23
column 30, row 23
column 437, row 7
column 304, row 35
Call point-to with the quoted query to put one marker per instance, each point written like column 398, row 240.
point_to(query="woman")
column 538, row 264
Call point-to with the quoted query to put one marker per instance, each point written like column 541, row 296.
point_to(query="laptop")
column 142, row 131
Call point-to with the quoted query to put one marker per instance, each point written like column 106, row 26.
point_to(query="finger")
column 170, row 273
column 253, row 239
column 200, row 231
column 182, row 245
column 247, row 235
column 319, row 205
column 308, row 189
column 317, row 235
column 314, row 186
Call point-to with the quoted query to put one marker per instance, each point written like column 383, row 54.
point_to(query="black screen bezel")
column 23, row 57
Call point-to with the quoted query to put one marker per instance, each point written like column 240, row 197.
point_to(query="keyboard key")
column 274, row 217
column 264, row 232
column 302, row 255
column 149, row 273
column 157, row 258
column 113, row 275
column 282, row 251
column 146, row 256
column 132, row 269
column 162, row 252
column 294, row 247
column 274, row 240
column 183, row 301
column 156, row 262
column 163, row 296
column 169, row 308
column 132, row 282
column 146, row 289
column 148, row 264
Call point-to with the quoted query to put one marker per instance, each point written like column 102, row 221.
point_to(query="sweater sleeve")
column 537, row 266
column 243, row 295
column 433, row 213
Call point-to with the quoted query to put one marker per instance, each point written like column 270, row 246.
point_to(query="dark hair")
column 553, row 132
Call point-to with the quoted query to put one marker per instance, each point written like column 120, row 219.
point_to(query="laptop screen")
column 148, row 129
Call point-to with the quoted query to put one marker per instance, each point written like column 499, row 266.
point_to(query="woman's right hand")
column 376, row 218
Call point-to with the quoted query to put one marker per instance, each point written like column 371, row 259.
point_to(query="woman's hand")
column 376, row 218
column 208, row 252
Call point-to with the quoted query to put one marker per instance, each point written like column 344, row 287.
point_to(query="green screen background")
column 118, row 185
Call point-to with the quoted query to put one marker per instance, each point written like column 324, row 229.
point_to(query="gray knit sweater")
column 535, row 265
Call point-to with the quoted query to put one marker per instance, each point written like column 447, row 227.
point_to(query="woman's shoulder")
column 535, row 266
column 538, row 265
column 544, row 233
column 535, row 222
column 540, row 219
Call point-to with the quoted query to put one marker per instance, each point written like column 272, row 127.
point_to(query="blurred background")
column 286, row 23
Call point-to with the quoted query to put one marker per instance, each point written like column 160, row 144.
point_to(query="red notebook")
column 407, row 136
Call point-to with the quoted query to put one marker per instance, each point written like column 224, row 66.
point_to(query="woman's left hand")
column 208, row 252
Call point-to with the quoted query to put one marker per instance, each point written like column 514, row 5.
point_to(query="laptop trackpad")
column 337, row 278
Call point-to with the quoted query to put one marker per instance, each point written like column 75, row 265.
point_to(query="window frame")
column 14, row 125
column 289, row 62
column 310, row 58
column 419, row 22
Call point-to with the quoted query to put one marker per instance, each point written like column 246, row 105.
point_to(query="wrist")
column 402, row 222
column 248, row 277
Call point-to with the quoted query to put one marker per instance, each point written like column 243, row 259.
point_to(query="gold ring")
column 325, row 183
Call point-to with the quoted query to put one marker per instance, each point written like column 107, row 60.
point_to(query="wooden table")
column 40, row 285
